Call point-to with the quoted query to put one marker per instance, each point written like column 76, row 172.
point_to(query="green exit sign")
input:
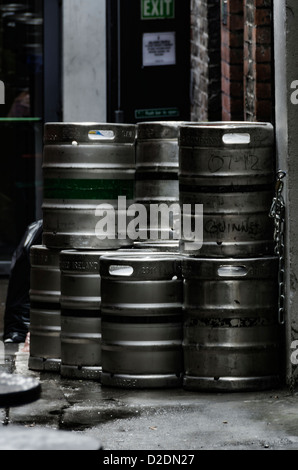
column 157, row 9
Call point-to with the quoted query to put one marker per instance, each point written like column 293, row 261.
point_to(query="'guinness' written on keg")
column 214, row 227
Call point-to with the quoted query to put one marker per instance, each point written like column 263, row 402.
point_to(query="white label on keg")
column 159, row 49
column 101, row 135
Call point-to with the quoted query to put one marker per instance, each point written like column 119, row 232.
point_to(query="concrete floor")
column 151, row 420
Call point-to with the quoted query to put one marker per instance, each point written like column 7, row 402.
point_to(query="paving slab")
column 156, row 420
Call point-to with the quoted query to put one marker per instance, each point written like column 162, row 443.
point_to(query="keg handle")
column 232, row 271
column 120, row 270
column 234, row 138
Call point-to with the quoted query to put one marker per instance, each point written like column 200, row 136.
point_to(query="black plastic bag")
column 17, row 308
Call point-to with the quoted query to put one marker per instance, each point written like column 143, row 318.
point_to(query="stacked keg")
column 86, row 168
column 141, row 301
column 45, row 323
column 232, row 337
column 157, row 185
column 141, row 320
column 80, row 314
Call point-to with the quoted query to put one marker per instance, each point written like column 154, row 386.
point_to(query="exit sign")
column 157, row 9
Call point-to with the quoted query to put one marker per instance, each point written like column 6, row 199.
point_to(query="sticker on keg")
column 101, row 135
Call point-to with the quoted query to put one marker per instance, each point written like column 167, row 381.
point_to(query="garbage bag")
column 17, row 307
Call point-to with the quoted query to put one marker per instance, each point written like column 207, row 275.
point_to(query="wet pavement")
column 121, row 420
column 159, row 420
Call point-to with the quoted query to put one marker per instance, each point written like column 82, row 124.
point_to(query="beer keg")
column 45, row 322
column 228, row 168
column 232, row 338
column 87, row 167
column 157, row 185
column 80, row 314
column 141, row 320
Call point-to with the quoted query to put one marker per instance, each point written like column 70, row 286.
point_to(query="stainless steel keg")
column 157, row 164
column 141, row 320
column 45, row 321
column 229, row 168
column 87, row 167
column 232, row 338
column 158, row 245
column 80, row 314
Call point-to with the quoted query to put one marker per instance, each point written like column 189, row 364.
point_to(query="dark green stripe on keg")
column 95, row 189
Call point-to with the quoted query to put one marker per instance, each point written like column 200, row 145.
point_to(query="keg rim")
column 158, row 130
column 88, row 123
column 145, row 256
column 74, row 252
column 238, row 260
column 42, row 247
column 226, row 124
column 76, row 133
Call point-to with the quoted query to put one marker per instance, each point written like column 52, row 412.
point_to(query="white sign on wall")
column 159, row 49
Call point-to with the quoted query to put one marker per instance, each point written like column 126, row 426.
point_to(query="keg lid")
column 158, row 130
column 141, row 266
column 228, row 134
column 81, row 261
column 230, row 268
column 92, row 133
column 169, row 245
column 40, row 255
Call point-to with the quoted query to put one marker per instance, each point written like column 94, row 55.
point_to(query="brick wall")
column 258, row 69
column 199, row 60
column 231, row 60
column 205, row 60
column 214, row 69
column 232, row 26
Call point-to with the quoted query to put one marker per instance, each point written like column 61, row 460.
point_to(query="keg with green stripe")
column 87, row 167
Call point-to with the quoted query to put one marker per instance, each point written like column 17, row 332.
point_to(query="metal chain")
column 277, row 212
